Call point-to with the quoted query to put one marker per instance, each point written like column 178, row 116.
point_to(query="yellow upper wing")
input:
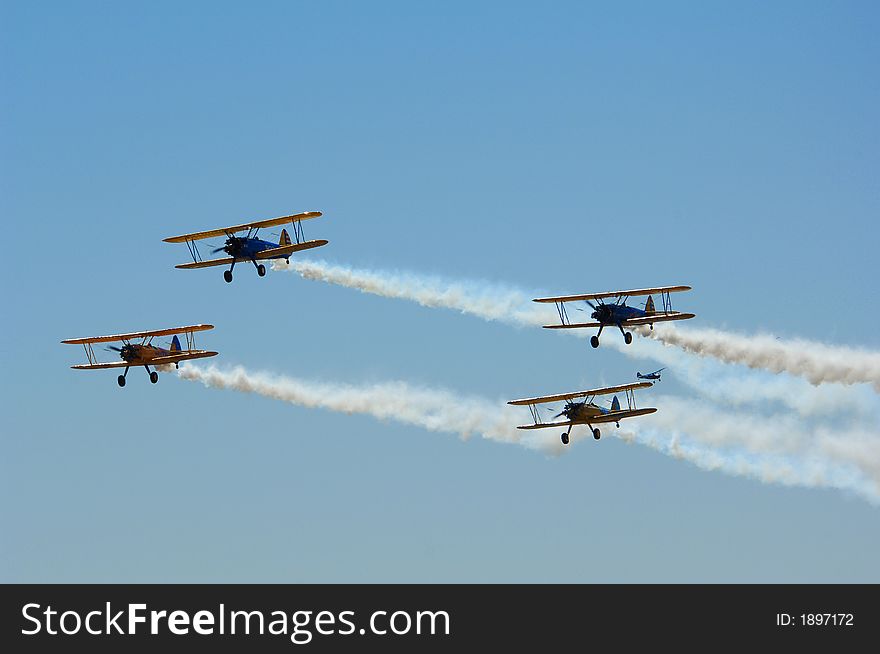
column 271, row 222
column 570, row 396
column 122, row 337
column 599, row 296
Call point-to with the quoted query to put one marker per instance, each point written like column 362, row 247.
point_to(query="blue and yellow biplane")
column 586, row 412
column 249, row 247
column 143, row 353
column 617, row 313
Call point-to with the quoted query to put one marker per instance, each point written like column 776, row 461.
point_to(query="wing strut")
column 194, row 251
column 533, row 409
column 563, row 315
column 298, row 234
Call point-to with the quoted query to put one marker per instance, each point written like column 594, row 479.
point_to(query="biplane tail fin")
column 175, row 344
column 649, row 305
column 285, row 239
column 615, row 404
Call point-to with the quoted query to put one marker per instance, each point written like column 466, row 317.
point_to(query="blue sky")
column 561, row 147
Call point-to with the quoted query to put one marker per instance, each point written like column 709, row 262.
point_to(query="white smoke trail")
column 443, row 411
column 480, row 299
column 771, row 469
column 431, row 409
column 816, row 362
column 733, row 385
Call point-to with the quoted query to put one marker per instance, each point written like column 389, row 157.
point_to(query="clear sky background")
column 561, row 147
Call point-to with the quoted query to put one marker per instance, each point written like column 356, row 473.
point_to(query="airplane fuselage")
column 583, row 412
column 614, row 314
column 248, row 248
column 142, row 354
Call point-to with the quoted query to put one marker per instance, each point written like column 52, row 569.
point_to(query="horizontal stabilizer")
column 286, row 250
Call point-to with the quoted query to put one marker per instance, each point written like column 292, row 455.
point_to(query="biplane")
column 249, row 247
column 655, row 376
column 618, row 313
column 143, row 353
column 586, row 411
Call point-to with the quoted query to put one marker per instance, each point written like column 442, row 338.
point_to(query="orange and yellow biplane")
column 586, row 412
column 143, row 353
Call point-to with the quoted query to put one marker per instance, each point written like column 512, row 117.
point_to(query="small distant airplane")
column 651, row 375
column 586, row 412
column 249, row 247
column 143, row 353
column 618, row 314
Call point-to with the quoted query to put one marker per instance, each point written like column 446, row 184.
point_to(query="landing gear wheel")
column 628, row 338
column 565, row 438
column 154, row 377
column 594, row 341
column 597, row 434
column 227, row 275
column 120, row 380
column 261, row 270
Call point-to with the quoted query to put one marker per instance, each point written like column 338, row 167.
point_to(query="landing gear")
column 154, row 377
column 596, row 433
column 594, row 340
column 227, row 275
column 120, row 380
column 261, row 270
column 628, row 338
column 565, row 438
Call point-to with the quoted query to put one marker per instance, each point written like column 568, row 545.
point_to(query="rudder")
column 615, row 404
column 285, row 238
column 649, row 305
column 175, row 344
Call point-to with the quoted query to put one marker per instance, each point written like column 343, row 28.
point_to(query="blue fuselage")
column 248, row 248
column 614, row 314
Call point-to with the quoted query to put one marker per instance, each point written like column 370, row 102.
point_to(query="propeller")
column 567, row 409
column 232, row 245
column 112, row 348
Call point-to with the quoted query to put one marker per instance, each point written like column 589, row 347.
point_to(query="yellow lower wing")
column 282, row 251
column 646, row 320
column 614, row 416
column 208, row 263
column 158, row 361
